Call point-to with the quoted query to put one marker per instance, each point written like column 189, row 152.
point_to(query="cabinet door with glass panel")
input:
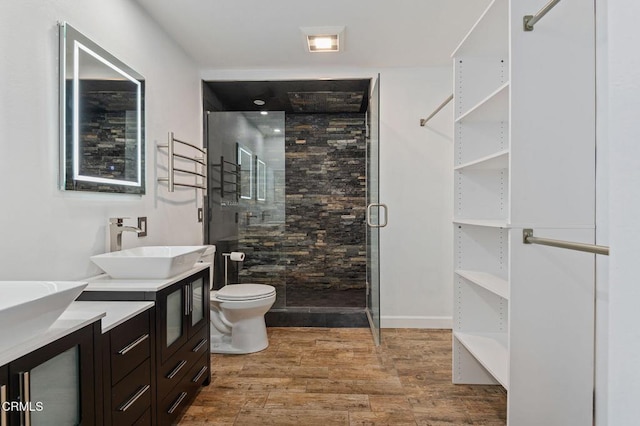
column 198, row 293
column 182, row 310
column 55, row 384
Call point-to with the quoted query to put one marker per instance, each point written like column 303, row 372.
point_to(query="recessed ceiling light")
column 323, row 43
column 277, row 130
column 324, row 39
column 259, row 102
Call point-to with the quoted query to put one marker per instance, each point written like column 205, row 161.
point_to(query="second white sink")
column 28, row 308
column 151, row 262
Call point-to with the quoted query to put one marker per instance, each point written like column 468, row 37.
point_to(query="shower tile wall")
column 324, row 241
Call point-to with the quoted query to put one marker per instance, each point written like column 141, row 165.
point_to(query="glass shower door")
column 375, row 220
column 246, row 151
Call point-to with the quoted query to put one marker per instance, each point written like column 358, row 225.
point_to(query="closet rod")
column 528, row 238
column 530, row 20
column 423, row 121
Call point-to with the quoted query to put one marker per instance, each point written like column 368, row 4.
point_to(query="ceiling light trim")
column 331, row 39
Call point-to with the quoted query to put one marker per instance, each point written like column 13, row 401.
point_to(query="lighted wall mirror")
column 101, row 119
column 245, row 161
column 261, row 180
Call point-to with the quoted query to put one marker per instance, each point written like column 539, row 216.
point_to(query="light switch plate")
column 142, row 224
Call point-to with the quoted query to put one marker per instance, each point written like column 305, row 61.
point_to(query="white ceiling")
column 261, row 34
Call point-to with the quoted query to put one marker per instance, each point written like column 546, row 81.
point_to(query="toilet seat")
column 239, row 292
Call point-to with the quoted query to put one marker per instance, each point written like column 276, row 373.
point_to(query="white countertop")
column 106, row 283
column 76, row 316
column 116, row 312
column 65, row 325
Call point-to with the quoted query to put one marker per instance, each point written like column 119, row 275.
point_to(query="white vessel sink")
column 149, row 262
column 28, row 308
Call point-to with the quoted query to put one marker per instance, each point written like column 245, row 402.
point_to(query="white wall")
column 602, row 217
column 46, row 233
column 416, row 174
column 623, row 130
column 417, row 184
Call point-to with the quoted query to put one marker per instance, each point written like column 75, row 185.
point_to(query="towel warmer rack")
column 223, row 177
column 172, row 169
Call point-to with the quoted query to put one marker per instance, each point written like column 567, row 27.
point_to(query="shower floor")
column 314, row 298
column 313, row 307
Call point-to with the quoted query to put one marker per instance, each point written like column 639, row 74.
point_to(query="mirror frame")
column 246, row 175
column 261, row 180
column 70, row 177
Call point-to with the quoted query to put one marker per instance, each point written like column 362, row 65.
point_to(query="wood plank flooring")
column 325, row 376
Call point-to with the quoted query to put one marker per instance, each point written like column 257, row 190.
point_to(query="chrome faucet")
column 116, row 228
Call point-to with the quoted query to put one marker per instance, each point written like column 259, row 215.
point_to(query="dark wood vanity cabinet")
column 183, row 344
column 128, row 371
column 179, row 360
column 56, row 383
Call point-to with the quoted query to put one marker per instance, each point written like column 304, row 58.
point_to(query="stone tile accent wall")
column 324, row 240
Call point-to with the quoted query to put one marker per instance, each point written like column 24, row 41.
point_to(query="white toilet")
column 237, row 314
column 237, row 318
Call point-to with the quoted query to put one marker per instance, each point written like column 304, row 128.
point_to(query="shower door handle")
column 377, row 225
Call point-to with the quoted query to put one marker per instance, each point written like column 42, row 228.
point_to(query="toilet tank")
column 209, row 257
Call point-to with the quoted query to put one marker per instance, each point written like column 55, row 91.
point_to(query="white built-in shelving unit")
column 524, row 157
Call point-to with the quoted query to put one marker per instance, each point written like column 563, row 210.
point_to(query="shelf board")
column 491, row 350
column 487, row 281
column 491, row 223
column 494, row 107
column 497, row 161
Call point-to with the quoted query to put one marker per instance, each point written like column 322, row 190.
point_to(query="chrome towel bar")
column 202, row 160
column 235, row 175
column 423, row 121
column 528, row 238
column 530, row 20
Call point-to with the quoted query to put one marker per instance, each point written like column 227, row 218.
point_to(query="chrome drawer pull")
column 175, row 405
column 200, row 373
column 133, row 344
column 199, row 346
column 3, row 401
column 134, row 398
column 175, row 370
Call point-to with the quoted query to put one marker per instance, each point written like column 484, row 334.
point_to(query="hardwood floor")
column 336, row 376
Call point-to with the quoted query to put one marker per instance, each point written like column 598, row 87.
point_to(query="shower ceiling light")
column 323, row 39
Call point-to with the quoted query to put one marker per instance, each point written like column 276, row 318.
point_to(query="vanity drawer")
column 179, row 398
column 130, row 345
column 174, row 403
column 200, row 371
column 199, row 344
column 132, row 396
column 171, row 372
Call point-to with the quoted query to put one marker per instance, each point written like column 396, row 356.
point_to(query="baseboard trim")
column 416, row 322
